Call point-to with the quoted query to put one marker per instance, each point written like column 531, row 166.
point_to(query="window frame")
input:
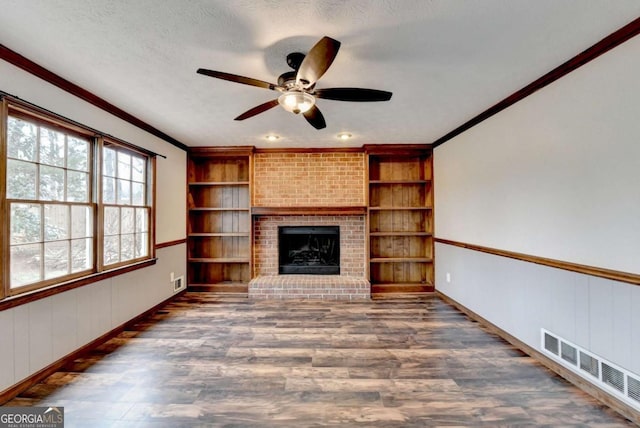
column 148, row 197
column 97, row 271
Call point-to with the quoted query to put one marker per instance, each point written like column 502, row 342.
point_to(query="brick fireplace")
column 352, row 240
column 352, row 259
column 309, row 189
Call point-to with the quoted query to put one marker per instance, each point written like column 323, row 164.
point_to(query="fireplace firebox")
column 309, row 250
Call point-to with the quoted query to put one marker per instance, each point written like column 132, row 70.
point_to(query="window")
column 75, row 204
column 126, row 212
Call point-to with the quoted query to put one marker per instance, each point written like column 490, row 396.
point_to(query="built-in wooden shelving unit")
column 400, row 219
column 219, row 219
column 398, row 211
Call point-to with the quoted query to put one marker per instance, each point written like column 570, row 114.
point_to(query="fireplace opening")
column 309, row 250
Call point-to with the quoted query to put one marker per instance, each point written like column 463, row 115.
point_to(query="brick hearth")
column 326, row 287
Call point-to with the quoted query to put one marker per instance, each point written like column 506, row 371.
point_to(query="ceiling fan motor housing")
column 287, row 79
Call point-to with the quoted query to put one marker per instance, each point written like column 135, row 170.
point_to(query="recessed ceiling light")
column 272, row 137
column 344, row 135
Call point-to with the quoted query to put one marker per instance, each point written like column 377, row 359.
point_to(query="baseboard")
column 15, row 390
column 586, row 386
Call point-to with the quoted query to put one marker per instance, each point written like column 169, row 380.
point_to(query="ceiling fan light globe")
column 304, row 107
column 296, row 101
column 291, row 100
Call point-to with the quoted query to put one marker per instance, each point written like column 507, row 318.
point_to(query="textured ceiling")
column 444, row 60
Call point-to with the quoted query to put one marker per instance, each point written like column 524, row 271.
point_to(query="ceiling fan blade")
column 317, row 61
column 238, row 79
column 353, row 94
column 315, row 117
column 258, row 109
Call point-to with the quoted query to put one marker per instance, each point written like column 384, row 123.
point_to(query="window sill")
column 41, row 293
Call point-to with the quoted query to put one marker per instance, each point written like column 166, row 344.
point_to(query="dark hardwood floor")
column 204, row 361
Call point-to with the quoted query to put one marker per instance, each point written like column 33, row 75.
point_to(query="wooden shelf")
column 225, row 283
column 217, row 284
column 400, row 208
column 219, row 183
column 219, row 209
column 402, row 233
column 383, row 182
column 401, row 260
column 238, row 289
column 382, row 290
column 219, row 260
column 406, row 284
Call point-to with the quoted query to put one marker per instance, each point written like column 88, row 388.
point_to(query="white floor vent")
column 618, row 381
column 590, row 365
column 569, row 353
column 634, row 389
column 178, row 283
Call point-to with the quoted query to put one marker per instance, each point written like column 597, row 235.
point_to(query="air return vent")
column 569, row 353
column 613, row 377
column 590, row 364
column 602, row 373
column 551, row 343
column 633, row 388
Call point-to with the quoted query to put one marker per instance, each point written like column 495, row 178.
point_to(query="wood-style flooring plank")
column 207, row 361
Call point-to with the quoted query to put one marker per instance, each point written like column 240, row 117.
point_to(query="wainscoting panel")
column 36, row 334
column 6, row 342
column 521, row 298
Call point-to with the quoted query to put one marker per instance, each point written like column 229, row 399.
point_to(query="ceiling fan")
column 298, row 93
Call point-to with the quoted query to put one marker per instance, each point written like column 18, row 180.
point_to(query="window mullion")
column 120, row 232
column 42, row 241
column 65, row 167
column 70, row 238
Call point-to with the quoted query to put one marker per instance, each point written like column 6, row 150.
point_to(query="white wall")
column 171, row 172
column 34, row 335
column 557, row 175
